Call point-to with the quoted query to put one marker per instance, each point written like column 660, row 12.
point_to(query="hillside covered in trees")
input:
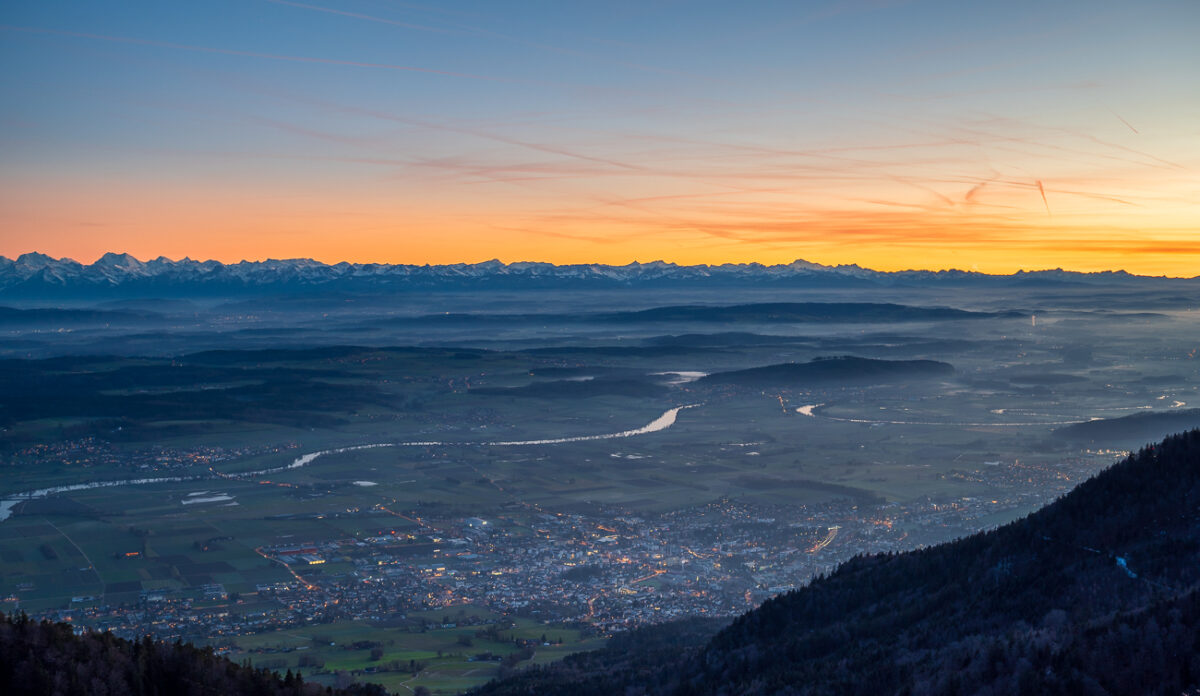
column 48, row 659
column 1098, row 593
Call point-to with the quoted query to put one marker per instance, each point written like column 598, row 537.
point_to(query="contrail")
column 926, row 189
column 355, row 15
column 548, row 149
column 1042, row 190
column 248, row 54
column 974, row 190
column 1125, row 122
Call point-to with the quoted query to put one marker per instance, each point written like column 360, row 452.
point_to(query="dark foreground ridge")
column 45, row 659
column 1098, row 593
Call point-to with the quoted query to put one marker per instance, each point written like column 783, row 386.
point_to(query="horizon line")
column 660, row 261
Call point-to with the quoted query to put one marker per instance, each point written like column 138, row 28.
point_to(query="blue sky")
column 939, row 133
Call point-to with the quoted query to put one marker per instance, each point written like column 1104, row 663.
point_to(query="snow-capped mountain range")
column 36, row 275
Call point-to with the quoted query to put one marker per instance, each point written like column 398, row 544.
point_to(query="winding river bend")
column 663, row 422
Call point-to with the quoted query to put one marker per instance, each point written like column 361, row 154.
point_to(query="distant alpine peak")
column 119, row 264
column 114, row 259
column 37, row 261
column 37, row 275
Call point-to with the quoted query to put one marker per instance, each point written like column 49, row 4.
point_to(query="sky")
column 890, row 134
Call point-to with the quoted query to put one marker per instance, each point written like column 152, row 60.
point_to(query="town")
column 604, row 570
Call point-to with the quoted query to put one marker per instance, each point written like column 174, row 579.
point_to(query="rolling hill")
column 843, row 370
column 1138, row 427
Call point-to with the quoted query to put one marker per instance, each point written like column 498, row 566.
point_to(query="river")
column 663, row 422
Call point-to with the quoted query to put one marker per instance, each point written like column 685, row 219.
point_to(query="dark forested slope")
column 45, row 659
column 1095, row 594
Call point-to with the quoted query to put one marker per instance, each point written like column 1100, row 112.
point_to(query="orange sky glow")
column 1001, row 228
column 892, row 135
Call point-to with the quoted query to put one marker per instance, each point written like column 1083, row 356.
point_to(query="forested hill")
column 46, row 659
column 840, row 370
column 1138, row 427
column 1098, row 593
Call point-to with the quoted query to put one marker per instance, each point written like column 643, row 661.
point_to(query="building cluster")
column 608, row 569
column 92, row 452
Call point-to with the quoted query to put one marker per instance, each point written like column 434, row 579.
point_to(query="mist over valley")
column 452, row 474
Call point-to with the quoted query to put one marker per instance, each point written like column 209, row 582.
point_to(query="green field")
column 442, row 659
column 116, row 419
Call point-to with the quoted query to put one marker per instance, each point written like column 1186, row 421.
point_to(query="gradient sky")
column 987, row 136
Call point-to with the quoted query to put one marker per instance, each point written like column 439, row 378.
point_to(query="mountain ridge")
column 37, row 275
